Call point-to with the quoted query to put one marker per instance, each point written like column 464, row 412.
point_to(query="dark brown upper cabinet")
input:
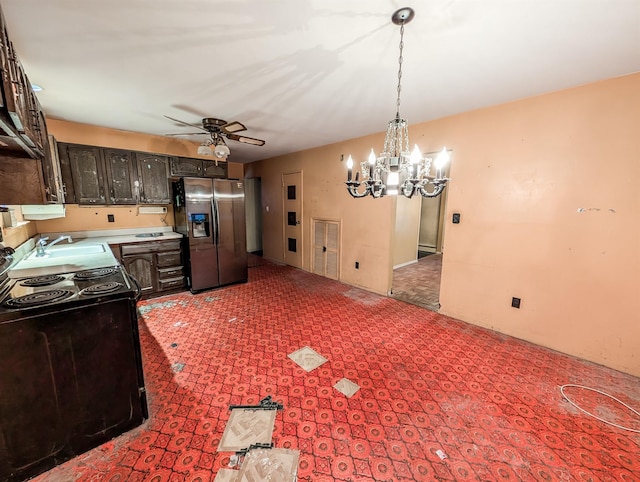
column 87, row 169
column 22, row 128
column 185, row 167
column 214, row 169
column 122, row 177
column 99, row 175
column 153, row 172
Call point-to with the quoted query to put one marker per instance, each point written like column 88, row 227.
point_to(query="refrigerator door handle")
column 216, row 221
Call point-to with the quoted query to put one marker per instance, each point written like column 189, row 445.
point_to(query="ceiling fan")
column 217, row 130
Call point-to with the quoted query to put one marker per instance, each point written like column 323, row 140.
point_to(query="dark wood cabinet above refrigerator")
column 188, row 167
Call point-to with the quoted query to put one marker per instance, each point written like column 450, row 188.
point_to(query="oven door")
column 75, row 382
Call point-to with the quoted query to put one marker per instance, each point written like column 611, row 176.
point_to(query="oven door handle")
column 138, row 287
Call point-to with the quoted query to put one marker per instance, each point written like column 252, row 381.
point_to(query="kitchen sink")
column 64, row 259
column 68, row 251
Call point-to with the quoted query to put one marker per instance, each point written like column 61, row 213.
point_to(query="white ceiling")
column 305, row 73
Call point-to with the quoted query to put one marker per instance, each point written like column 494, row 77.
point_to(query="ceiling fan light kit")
column 218, row 129
column 397, row 170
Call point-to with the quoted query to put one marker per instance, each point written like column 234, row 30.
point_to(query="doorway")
column 292, row 212
column 418, row 282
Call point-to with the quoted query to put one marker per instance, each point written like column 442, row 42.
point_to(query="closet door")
column 326, row 246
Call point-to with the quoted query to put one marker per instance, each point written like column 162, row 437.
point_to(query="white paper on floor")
column 226, row 475
column 347, row 387
column 275, row 465
column 307, row 358
column 247, row 427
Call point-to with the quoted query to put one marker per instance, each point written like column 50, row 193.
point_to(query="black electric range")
column 73, row 378
column 41, row 294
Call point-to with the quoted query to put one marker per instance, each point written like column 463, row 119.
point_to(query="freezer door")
column 231, row 234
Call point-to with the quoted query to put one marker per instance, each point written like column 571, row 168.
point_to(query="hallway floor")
column 419, row 283
column 438, row 399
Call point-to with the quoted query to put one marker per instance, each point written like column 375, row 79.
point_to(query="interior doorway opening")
column 418, row 281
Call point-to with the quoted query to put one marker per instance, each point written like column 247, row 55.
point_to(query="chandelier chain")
column 400, row 69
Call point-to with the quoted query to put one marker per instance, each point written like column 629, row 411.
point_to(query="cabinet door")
column 143, row 268
column 39, row 124
column 121, row 176
column 52, row 174
column 21, row 89
column 88, row 177
column 21, row 181
column 214, row 169
column 182, row 166
column 153, row 172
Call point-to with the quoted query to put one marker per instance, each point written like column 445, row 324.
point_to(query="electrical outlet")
column 456, row 218
column 111, row 218
column 357, row 265
column 515, row 303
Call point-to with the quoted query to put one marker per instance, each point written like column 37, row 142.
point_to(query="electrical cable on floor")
column 595, row 416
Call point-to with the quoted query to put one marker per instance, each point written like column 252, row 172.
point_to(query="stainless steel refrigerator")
column 210, row 215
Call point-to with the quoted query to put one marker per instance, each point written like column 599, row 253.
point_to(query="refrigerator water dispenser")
column 200, row 225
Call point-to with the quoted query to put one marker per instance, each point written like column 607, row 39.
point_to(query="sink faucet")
column 42, row 245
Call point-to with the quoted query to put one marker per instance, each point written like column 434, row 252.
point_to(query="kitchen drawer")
column 168, row 273
column 157, row 246
column 166, row 260
column 165, row 284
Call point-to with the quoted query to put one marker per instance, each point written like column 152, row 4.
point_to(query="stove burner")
column 37, row 299
column 102, row 288
column 94, row 273
column 42, row 280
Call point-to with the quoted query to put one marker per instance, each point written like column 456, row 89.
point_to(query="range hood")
column 38, row 212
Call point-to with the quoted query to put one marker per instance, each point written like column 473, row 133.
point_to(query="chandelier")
column 396, row 170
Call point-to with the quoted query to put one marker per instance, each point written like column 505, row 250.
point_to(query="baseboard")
column 402, row 265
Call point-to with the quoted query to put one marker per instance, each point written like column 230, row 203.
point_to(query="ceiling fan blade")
column 186, row 134
column 246, row 140
column 234, row 126
column 197, row 126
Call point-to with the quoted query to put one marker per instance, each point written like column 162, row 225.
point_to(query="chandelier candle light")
column 396, row 170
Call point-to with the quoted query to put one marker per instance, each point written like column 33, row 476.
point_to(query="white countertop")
column 65, row 264
column 51, row 264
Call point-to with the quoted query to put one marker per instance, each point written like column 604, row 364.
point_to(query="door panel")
column 121, row 176
column 202, row 233
column 232, row 246
column 292, row 218
column 204, row 267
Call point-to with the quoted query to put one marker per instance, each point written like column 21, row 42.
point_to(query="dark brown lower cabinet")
column 143, row 268
column 156, row 265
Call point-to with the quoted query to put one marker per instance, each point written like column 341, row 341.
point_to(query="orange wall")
column 94, row 218
column 406, row 231
column 522, row 174
column 366, row 228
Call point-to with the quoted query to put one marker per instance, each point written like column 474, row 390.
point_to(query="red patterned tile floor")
column 439, row 399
